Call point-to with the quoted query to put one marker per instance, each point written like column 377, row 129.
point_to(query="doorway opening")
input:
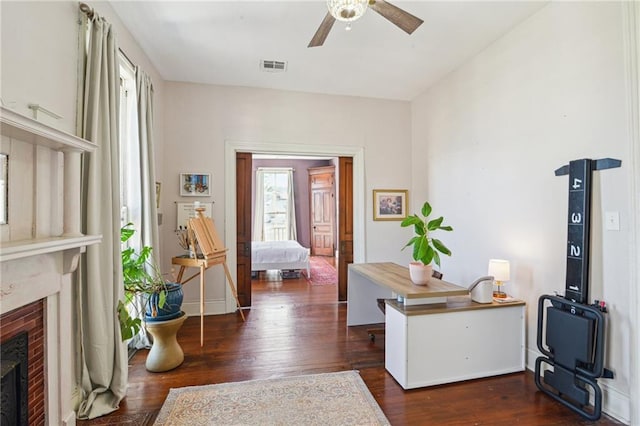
column 293, row 213
column 236, row 209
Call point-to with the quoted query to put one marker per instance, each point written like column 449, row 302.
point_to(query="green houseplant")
column 426, row 249
column 162, row 300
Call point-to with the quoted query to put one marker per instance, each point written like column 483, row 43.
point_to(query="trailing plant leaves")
column 162, row 299
column 141, row 276
column 129, row 326
column 145, row 253
column 127, row 254
column 126, row 232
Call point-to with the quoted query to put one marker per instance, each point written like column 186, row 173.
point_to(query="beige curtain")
column 149, row 235
column 103, row 355
column 149, row 225
column 258, row 205
column 292, row 228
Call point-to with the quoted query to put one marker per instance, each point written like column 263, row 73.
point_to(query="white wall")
column 37, row 67
column 201, row 118
column 486, row 142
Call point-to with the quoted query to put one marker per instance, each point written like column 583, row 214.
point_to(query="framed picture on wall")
column 195, row 184
column 390, row 204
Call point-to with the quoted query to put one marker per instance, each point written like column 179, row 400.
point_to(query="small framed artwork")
column 195, row 184
column 390, row 204
column 187, row 211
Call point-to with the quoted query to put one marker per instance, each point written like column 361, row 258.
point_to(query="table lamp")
column 499, row 270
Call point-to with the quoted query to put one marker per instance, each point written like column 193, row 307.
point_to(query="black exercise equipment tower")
column 575, row 329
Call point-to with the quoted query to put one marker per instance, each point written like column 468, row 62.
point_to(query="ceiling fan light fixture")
column 347, row 10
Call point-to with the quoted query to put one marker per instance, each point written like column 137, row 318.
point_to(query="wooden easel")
column 213, row 253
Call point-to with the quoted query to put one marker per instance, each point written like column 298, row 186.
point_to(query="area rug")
column 318, row 399
column 322, row 273
column 115, row 419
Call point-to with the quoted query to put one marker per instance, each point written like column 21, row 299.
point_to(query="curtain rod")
column 126, row 58
column 84, row 8
column 276, row 169
column 87, row 10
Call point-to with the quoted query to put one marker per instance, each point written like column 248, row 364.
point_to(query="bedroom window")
column 275, row 211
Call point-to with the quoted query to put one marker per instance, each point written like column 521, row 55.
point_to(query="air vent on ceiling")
column 273, row 66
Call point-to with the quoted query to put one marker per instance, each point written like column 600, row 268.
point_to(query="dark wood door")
column 345, row 221
column 322, row 210
column 244, row 177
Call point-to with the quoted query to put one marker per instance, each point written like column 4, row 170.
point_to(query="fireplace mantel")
column 42, row 242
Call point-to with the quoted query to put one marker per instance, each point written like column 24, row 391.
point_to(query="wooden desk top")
column 396, row 278
column 454, row 304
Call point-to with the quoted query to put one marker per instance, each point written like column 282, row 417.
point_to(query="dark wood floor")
column 294, row 328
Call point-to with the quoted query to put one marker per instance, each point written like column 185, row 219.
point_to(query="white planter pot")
column 420, row 274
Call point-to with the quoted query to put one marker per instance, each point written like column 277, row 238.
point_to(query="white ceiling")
column 223, row 42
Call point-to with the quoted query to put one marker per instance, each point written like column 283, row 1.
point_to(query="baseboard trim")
column 69, row 419
column 615, row 403
column 212, row 307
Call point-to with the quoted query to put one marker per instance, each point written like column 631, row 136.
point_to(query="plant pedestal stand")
column 165, row 354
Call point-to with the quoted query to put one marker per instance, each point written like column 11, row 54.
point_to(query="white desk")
column 436, row 343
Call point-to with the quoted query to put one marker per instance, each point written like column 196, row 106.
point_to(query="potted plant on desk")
column 161, row 300
column 426, row 249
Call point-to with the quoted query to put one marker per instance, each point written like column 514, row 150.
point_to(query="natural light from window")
column 130, row 185
column 276, row 206
column 275, row 213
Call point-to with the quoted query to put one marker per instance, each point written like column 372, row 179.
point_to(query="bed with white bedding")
column 282, row 255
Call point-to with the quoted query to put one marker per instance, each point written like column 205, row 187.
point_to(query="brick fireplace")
column 24, row 323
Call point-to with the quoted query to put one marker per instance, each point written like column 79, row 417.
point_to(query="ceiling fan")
column 350, row 10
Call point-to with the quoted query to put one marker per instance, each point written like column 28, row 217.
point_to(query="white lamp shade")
column 499, row 269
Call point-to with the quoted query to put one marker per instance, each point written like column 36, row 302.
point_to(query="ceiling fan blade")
column 404, row 20
column 323, row 31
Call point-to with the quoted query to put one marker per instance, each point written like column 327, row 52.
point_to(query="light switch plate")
column 612, row 221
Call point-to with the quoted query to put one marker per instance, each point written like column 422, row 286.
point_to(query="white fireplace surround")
column 41, row 244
